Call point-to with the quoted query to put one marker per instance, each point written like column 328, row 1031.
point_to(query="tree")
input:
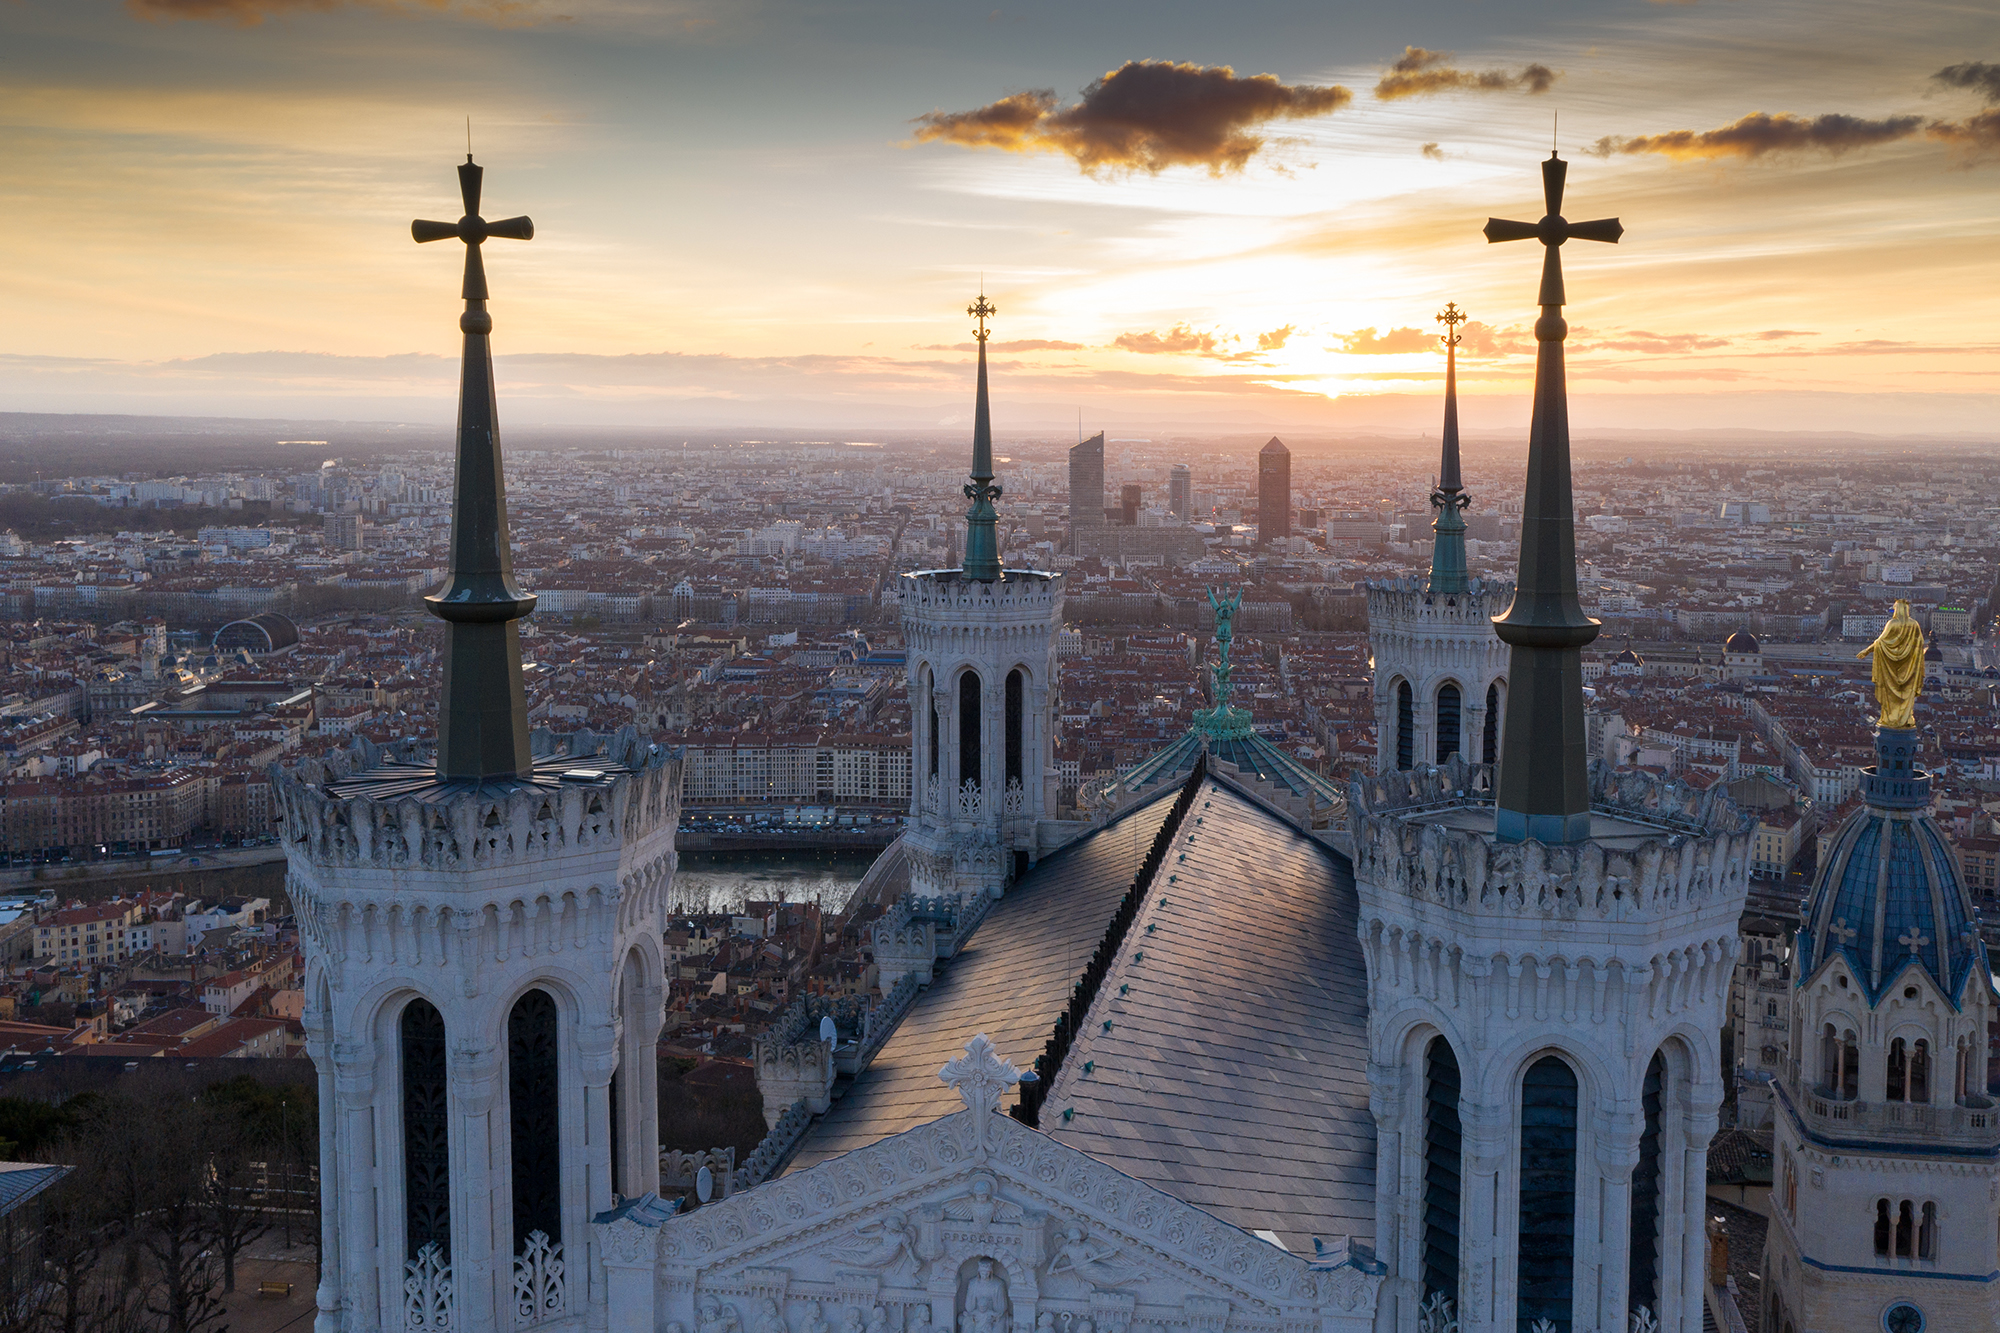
column 179, row 1234
column 235, row 1213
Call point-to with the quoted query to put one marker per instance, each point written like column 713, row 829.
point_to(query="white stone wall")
column 1514, row 952
column 1430, row 640
column 964, row 835
column 469, row 903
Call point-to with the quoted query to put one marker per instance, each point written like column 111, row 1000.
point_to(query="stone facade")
column 1429, row 640
column 983, row 678
column 1601, row 954
column 468, row 898
column 973, row 1223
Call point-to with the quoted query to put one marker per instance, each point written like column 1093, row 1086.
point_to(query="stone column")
column 595, row 1049
column 1617, row 1153
column 1701, row 1125
column 319, row 1047
column 640, row 1114
column 628, row 1250
column 1398, row 1198
column 354, row 1110
column 482, row 1220
column 1487, row 1237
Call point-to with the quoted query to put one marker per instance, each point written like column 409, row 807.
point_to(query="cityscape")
column 1396, row 730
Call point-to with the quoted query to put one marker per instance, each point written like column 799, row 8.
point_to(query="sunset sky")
column 773, row 212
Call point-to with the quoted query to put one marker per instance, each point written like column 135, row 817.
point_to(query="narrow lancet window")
column 1406, row 727
column 1489, row 743
column 533, row 1090
column 968, row 729
column 1015, row 684
column 1545, row 1279
column 1447, row 721
column 1646, row 1182
column 1443, row 1148
column 426, row 1132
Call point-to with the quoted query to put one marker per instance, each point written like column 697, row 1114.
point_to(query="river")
column 723, row 881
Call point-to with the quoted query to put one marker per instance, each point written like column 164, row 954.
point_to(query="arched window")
column 426, row 1132
column 534, row 1088
column 1406, row 727
column 968, row 729
column 1447, row 721
column 929, row 720
column 1882, row 1229
column 1645, row 1266
column 1015, row 685
column 1548, row 1194
column 1906, row 1230
column 1443, row 1149
column 1920, row 1072
column 1850, row 1066
column 1489, row 741
column 1927, row 1233
column 1899, row 1072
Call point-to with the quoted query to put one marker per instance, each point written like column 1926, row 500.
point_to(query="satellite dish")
column 828, row 1033
column 704, row 1185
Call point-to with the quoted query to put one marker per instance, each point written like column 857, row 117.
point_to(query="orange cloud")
column 1419, row 73
column 1365, row 342
column 1180, row 338
column 1276, row 338
column 1146, row 115
column 1760, row 133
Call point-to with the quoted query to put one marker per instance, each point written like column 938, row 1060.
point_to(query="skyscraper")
column 1274, row 491
column 1130, row 497
column 1086, row 488
column 1180, row 492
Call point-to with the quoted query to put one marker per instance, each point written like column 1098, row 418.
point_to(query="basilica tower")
column 1886, row 1148
column 1440, row 674
column 981, row 644
column 482, row 936
column 1547, row 974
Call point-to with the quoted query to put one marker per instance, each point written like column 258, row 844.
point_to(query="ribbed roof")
column 1889, row 894
column 1742, row 641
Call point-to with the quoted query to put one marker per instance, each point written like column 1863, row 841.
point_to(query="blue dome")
column 1889, row 893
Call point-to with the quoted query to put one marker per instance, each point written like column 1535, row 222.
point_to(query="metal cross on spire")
column 1448, row 574
column 1544, row 786
column 483, row 717
column 982, row 538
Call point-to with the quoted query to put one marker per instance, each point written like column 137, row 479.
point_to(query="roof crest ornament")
column 981, row 1076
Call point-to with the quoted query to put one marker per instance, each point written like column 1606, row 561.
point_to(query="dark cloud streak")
column 1420, row 73
column 1760, row 134
column 1145, row 115
column 1975, row 75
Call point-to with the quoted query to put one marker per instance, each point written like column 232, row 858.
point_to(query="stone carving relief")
column 976, row 1223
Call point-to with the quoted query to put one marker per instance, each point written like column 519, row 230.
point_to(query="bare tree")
column 178, row 1233
column 235, row 1213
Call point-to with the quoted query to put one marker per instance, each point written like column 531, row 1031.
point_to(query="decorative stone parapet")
column 1411, row 602
column 390, row 867
column 906, row 939
column 1693, row 850
column 793, row 1062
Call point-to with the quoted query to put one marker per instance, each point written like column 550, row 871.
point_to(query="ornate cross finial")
column 981, row 1076
column 982, row 310
column 473, row 230
column 1451, row 317
column 1913, row 939
column 1841, row 931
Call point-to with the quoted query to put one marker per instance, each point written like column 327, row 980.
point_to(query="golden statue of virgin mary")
column 1898, row 668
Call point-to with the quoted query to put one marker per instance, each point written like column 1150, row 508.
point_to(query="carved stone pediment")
column 976, row 1223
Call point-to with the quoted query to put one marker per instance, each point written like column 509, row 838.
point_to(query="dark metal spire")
column 1544, row 787
column 982, row 538
column 483, row 718
column 1448, row 528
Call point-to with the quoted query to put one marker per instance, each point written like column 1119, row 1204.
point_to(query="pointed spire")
column 483, row 713
column 1544, row 786
column 982, row 540
column 1448, row 528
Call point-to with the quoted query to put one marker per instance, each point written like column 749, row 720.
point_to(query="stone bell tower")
column 482, row 936
column 982, row 675
column 1440, row 673
column 1549, row 957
